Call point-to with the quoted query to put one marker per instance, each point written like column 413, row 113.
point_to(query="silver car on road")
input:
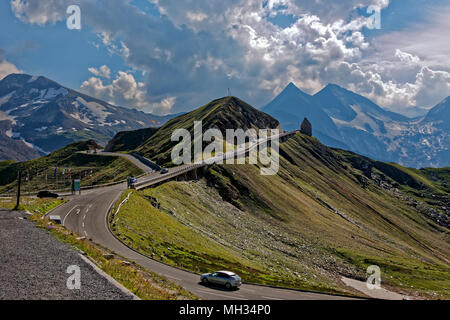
column 225, row 278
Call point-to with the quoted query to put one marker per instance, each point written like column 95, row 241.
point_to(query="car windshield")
column 236, row 277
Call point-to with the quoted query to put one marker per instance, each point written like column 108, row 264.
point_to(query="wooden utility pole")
column 19, row 178
column 28, row 183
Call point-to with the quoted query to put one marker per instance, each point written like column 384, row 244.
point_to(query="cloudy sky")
column 167, row 56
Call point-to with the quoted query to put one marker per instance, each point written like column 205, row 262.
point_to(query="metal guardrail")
column 97, row 186
column 146, row 161
column 167, row 176
column 150, row 182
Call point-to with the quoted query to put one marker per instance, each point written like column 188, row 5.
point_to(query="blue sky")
column 52, row 50
column 174, row 55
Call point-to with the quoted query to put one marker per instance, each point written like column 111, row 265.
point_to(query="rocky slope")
column 15, row 149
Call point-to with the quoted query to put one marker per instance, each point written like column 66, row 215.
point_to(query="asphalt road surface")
column 129, row 157
column 86, row 214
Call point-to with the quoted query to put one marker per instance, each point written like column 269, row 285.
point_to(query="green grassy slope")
column 225, row 113
column 326, row 214
column 129, row 140
column 94, row 169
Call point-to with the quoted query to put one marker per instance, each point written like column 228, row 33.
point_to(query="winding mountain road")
column 87, row 215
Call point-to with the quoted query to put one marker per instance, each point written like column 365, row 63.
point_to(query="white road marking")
column 271, row 298
column 64, row 221
column 83, row 225
column 85, row 233
column 173, row 278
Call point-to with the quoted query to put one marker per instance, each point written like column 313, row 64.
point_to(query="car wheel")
column 228, row 286
column 205, row 281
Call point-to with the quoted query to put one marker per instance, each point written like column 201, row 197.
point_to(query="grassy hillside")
column 93, row 169
column 326, row 214
column 129, row 140
column 222, row 114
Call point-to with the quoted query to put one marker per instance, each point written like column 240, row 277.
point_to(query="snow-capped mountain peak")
column 28, row 104
column 345, row 119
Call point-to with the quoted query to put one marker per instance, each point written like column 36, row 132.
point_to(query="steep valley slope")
column 327, row 214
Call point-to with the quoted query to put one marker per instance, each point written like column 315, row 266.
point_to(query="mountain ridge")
column 292, row 105
column 224, row 113
column 360, row 125
column 439, row 112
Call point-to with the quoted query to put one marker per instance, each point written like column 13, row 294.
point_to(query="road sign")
column 77, row 185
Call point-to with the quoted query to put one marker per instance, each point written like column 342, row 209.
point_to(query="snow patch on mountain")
column 33, row 79
column 29, row 144
column 53, row 93
column 6, row 98
column 80, row 116
column 361, row 122
column 96, row 109
column 41, row 129
column 5, row 116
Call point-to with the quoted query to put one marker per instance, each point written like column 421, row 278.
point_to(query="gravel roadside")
column 33, row 265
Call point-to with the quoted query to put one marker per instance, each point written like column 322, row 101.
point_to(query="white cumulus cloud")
column 6, row 67
column 198, row 49
column 124, row 90
column 103, row 72
column 163, row 107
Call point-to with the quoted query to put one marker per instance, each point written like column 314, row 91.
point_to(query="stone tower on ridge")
column 306, row 127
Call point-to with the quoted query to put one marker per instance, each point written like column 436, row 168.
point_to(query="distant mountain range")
column 38, row 116
column 344, row 119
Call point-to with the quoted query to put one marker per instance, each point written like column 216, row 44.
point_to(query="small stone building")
column 306, row 127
